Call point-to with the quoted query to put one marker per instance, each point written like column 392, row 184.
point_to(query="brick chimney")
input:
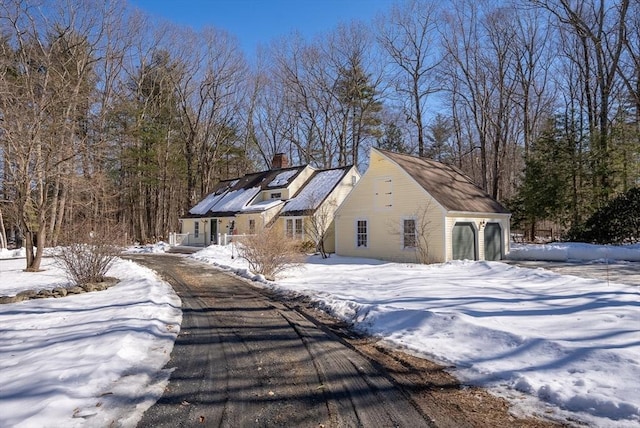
column 279, row 161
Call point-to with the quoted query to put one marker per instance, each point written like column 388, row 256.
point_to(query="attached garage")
column 400, row 195
column 464, row 241
column 493, row 241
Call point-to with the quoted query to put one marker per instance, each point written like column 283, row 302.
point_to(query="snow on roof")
column 262, row 205
column 283, row 178
column 206, row 204
column 235, row 200
column 316, row 190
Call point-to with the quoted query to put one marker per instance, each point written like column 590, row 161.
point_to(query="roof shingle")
column 449, row 186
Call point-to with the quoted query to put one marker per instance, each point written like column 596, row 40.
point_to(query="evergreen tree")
column 543, row 193
column 618, row 222
column 392, row 139
column 150, row 158
column 440, row 131
column 360, row 110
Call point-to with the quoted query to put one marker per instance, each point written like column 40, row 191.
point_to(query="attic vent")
column 383, row 194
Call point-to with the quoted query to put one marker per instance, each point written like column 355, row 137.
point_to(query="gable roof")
column 449, row 186
column 315, row 191
column 232, row 196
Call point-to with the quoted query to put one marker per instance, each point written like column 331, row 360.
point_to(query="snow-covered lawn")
column 556, row 344
column 92, row 359
column 562, row 345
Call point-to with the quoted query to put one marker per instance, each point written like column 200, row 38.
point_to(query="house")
column 290, row 198
column 310, row 214
column 412, row 209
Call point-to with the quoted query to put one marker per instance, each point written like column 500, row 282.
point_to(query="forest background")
column 117, row 123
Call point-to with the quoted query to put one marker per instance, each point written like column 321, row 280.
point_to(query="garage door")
column 464, row 241
column 493, row 241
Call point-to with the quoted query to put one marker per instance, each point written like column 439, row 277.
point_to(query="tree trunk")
column 3, row 233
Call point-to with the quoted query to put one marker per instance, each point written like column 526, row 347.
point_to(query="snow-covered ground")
column 560, row 345
column 93, row 359
column 573, row 251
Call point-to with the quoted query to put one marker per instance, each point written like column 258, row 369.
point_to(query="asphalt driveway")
column 243, row 359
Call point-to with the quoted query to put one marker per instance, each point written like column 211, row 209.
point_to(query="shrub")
column 88, row 261
column 307, row 246
column 618, row 222
column 269, row 253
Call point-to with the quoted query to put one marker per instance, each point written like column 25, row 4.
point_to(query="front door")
column 214, row 231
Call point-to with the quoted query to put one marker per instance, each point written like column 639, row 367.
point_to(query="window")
column 409, row 233
column 252, row 226
column 299, row 228
column 276, row 195
column 361, row 234
column 196, row 229
column 288, row 228
column 294, row 228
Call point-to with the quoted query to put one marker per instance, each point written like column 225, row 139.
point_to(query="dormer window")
column 276, row 195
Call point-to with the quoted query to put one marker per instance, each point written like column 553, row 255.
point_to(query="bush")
column 87, row 262
column 307, row 246
column 616, row 223
column 269, row 253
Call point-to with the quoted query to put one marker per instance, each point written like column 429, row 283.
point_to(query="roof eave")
column 478, row 214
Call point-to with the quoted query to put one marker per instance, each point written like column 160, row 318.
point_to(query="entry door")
column 214, row 231
column 493, row 241
column 464, row 241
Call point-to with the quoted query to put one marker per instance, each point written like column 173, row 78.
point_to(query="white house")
column 284, row 197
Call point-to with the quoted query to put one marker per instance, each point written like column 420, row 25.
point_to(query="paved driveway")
column 621, row 272
column 242, row 359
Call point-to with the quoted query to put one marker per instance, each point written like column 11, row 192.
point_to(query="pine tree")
column 360, row 110
column 392, row 139
column 543, row 193
column 440, row 131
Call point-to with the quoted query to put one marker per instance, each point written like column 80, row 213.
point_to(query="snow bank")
column 160, row 247
column 572, row 251
column 9, row 254
column 93, row 359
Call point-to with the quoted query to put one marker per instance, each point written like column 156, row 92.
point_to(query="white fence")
column 176, row 239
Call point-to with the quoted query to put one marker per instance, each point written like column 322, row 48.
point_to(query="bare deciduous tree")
column 318, row 222
column 46, row 88
column 409, row 36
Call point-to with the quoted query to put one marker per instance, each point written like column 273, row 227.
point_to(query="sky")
column 257, row 22
column 555, row 345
